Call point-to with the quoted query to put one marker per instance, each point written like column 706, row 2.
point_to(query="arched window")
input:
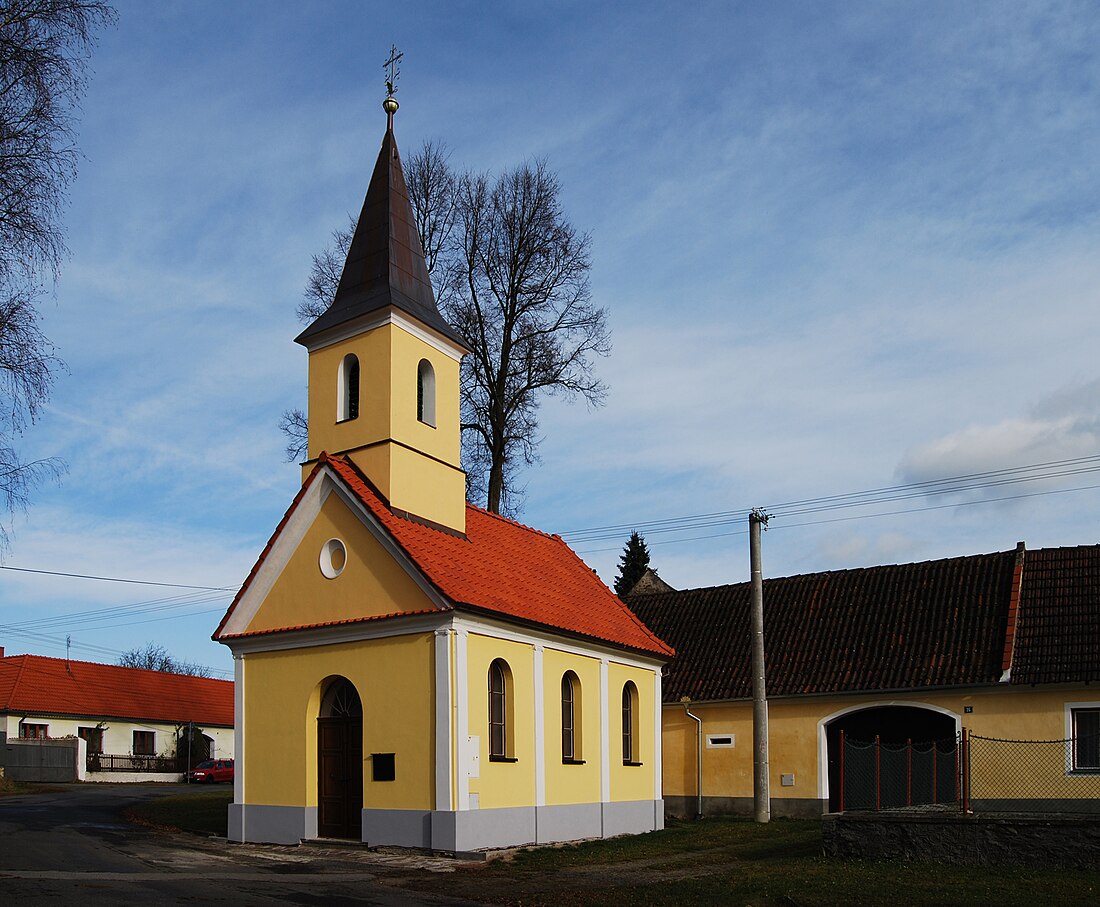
column 630, row 723
column 570, row 717
column 425, row 393
column 341, row 700
column 500, row 712
column 347, row 389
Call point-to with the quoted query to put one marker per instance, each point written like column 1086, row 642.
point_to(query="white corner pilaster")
column 238, row 728
column 462, row 720
column 605, row 736
column 444, row 737
column 540, row 729
column 658, row 743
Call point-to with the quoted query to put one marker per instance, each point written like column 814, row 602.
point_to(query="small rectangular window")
column 383, row 767
column 720, row 741
column 33, row 731
column 1086, row 739
column 93, row 736
column 145, row 743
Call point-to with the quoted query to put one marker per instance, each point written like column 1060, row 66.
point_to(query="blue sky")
column 842, row 246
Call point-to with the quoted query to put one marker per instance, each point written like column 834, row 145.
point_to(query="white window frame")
column 425, row 392
column 1070, row 708
column 343, row 389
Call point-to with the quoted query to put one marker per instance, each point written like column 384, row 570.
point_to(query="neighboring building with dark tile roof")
column 412, row 670
column 118, row 711
column 1005, row 644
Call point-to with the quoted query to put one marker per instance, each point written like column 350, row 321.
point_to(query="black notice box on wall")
column 382, row 766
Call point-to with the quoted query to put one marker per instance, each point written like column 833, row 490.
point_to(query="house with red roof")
column 410, row 669
column 879, row 670
column 131, row 714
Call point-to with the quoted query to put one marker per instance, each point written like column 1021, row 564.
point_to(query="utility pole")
column 761, row 796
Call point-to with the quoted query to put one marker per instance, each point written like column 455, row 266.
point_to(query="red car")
column 212, row 770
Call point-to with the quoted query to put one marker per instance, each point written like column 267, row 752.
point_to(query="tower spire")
column 385, row 266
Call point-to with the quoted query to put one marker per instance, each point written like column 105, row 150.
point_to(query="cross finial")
column 393, row 68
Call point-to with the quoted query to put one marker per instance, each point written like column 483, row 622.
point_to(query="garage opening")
column 894, row 756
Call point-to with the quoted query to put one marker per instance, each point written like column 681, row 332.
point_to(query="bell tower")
column 384, row 365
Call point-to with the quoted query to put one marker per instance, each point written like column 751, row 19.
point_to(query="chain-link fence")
column 1034, row 775
column 912, row 775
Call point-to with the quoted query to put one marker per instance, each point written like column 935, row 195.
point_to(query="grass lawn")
column 9, row 788
column 204, row 812
column 714, row 861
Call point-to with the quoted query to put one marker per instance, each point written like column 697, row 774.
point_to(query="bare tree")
column 433, row 191
column 294, row 424
column 511, row 277
column 324, row 275
column 155, row 657
column 520, row 298
column 44, row 48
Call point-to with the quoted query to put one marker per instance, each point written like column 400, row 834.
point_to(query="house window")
column 93, row 736
column 500, row 712
column 630, row 724
column 347, row 391
column 1086, row 739
column 33, row 731
column 425, row 393
column 570, row 718
column 145, row 743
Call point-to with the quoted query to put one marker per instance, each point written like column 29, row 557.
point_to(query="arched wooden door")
column 340, row 762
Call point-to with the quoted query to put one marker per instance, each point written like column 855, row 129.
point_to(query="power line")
column 101, row 651
column 974, row 482
column 115, row 579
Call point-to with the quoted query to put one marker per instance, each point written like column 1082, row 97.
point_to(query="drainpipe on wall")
column 686, row 701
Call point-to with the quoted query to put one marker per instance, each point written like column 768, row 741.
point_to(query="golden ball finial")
column 390, row 105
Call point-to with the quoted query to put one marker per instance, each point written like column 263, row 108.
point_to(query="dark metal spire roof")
column 385, row 264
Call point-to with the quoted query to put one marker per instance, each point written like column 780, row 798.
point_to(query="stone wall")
column 988, row 840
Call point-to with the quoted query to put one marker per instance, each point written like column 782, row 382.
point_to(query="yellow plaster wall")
column 502, row 783
column 442, row 440
column 395, row 681
column 1003, row 712
column 631, row 782
column 414, row 465
column 373, row 424
column 426, row 488
column 572, row 783
column 372, row 582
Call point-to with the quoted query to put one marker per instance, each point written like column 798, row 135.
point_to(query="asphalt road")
column 75, row 843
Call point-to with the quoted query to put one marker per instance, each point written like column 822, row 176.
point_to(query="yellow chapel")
column 410, row 669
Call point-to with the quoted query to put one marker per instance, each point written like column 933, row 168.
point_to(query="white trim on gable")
column 290, row 537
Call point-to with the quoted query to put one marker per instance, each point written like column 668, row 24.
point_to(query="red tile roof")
column 938, row 623
column 55, row 686
column 902, row 627
column 1058, row 627
column 502, row 568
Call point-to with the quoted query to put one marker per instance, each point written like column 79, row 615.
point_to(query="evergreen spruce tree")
column 632, row 564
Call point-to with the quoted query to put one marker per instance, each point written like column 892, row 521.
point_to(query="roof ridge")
column 103, row 664
column 512, row 521
column 843, row 570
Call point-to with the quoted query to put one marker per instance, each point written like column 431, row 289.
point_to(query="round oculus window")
column 333, row 558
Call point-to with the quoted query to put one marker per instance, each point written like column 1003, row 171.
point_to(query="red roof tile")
column 504, row 568
column 54, row 686
column 907, row 626
column 1058, row 625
